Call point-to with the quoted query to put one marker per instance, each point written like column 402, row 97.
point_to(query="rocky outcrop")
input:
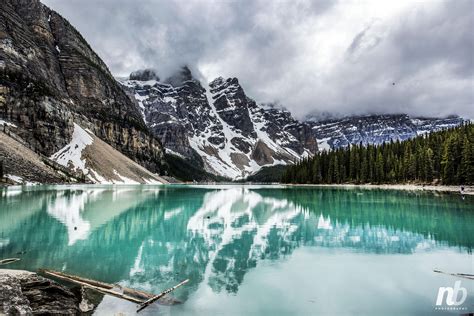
column 51, row 78
column 262, row 154
column 232, row 105
column 219, row 123
column 21, row 164
column 26, row 293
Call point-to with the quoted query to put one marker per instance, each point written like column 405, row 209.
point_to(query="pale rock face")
column 218, row 126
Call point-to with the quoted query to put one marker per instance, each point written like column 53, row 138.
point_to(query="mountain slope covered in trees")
column 442, row 157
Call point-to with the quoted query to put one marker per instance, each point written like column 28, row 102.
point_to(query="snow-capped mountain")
column 221, row 129
column 218, row 126
column 375, row 129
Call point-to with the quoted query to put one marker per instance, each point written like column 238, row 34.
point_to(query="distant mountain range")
column 375, row 129
column 229, row 134
column 65, row 118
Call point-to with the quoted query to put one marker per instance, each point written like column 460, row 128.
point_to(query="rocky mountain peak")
column 217, row 82
column 232, row 104
column 221, row 83
column 220, row 124
column 228, row 86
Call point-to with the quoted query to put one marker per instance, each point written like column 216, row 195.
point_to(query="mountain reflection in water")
column 150, row 237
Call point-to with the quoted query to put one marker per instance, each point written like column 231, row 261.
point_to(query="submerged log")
column 157, row 297
column 77, row 278
column 8, row 260
column 459, row 275
column 94, row 285
column 132, row 295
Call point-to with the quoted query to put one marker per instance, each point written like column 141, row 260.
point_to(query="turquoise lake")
column 249, row 250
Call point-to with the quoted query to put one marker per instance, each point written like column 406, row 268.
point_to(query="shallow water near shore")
column 249, row 250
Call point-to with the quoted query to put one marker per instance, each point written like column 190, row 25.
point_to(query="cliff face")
column 51, row 78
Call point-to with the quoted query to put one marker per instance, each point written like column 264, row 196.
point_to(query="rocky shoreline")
column 468, row 190
column 27, row 293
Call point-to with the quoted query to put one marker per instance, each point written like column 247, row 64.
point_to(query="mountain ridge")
column 227, row 105
column 218, row 125
column 375, row 128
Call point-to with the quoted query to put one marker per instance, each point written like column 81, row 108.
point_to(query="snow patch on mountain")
column 323, row 143
column 96, row 160
column 72, row 153
column 3, row 122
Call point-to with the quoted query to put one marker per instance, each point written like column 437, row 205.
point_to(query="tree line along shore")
column 445, row 157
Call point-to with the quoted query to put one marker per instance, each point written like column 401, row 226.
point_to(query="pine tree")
column 448, row 162
column 379, row 172
column 335, row 170
column 428, row 166
column 364, row 170
column 406, row 163
column 353, row 166
column 466, row 169
column 371, row 166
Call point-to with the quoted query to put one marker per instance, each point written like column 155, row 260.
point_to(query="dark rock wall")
column 50, row 77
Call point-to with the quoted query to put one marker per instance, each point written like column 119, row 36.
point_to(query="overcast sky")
column 337, row 57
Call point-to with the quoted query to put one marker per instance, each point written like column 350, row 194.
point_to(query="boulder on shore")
column 26, row 293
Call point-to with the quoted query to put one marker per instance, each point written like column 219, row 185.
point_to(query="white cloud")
column 311, row 56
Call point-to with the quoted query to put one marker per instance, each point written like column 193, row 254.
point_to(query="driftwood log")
column 8, row 260
column 132, row 295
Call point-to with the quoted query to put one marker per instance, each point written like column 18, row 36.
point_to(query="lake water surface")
column 249, row 250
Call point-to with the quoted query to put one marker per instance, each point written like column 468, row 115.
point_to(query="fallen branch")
column 459, row 275
column 157, row 297
column 76, row 278
column 132, row 295
column 97, row 286
column 8, row 260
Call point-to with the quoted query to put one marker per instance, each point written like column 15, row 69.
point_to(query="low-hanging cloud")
column 336, row 57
